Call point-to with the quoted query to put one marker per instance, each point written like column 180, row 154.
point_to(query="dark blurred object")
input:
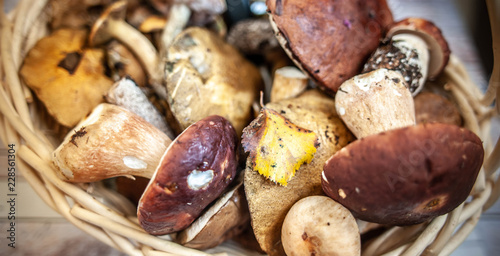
column 475, row 14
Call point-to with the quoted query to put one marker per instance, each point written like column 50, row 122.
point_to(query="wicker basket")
column 102, row 213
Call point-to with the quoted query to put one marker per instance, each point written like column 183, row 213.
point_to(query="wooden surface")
column 54, row 236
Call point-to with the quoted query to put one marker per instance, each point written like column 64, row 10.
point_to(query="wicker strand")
column 426, row 237
column 13, row 81
column 124, row 244
column 392, row 238
column 493, row 90
column 446, row 232
column 154, row 242
column 461, row 234
column 77, row 194
column 64, row 208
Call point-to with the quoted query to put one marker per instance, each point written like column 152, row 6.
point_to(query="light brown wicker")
column 106, row 216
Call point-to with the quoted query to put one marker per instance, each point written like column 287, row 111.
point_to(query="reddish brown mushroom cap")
column 431, row 34
column 330, row 40
column 405, row 176
column 196, row 168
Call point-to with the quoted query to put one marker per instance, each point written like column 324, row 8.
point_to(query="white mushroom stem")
column 406, row 53
column 177, row 20
column 127, row 94
column 143, row 49
column 375, row 102
column 288, row 83
column 110, row 142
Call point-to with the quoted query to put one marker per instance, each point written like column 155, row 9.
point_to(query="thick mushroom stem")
column 407, row 54
column 110, row 142
column 375, row 102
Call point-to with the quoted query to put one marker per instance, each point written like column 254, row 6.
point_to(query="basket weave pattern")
column 102, row 213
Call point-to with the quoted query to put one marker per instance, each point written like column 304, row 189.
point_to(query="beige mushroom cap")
column 432, row 35
column 318, row 225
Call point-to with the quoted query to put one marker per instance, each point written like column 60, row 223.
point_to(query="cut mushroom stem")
column 110, row 142
column 416, row 48
column 288, row 83
column 375, row 102
column 127, row 94
column 111, row 24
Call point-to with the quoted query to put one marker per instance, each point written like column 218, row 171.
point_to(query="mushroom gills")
column 407, row 54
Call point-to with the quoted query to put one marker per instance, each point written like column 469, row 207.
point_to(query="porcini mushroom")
column 317, row 225
column 405, row 176
column 110, row 142
column 416, row 48
column 195, row 169
column 127, row 94
column 288, row 82
column 434, row 108
column 226, row 218
column 329, row 40
column 207, row 76
column 374, row 102
column 68, row 78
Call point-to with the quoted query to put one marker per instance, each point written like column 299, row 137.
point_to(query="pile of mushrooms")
column 163, row 90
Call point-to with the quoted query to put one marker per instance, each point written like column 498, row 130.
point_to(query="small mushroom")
column 416, row 48
column 434, row 108
column 375, row 102
column 288, row 83
column 407, row 175
column 123, row 63
column 195, row 170
column 68, row 78
column 329, row 40
column 110, row 142
column 253, row 37
column 127, row 94
column 111, row 25
column 317, row 225
column 225, row 219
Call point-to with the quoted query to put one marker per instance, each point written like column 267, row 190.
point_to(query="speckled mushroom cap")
column 432, row 35
column 330, row 40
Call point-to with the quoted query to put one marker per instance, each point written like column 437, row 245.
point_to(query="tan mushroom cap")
column 66, row 77
column 432, row 35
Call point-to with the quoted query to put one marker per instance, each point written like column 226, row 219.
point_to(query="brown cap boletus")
column 416, row 48
column 195, row 170
column 330, row 40
column 318, row 225
column 206, row 76
column 112, row 141
column 434, row 108
column 405, row 176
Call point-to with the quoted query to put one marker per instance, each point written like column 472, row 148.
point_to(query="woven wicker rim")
column 21, row 125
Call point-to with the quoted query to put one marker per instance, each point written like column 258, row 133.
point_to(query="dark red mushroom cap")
column 407, row 175
column 330, row 40
column 196, row 168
